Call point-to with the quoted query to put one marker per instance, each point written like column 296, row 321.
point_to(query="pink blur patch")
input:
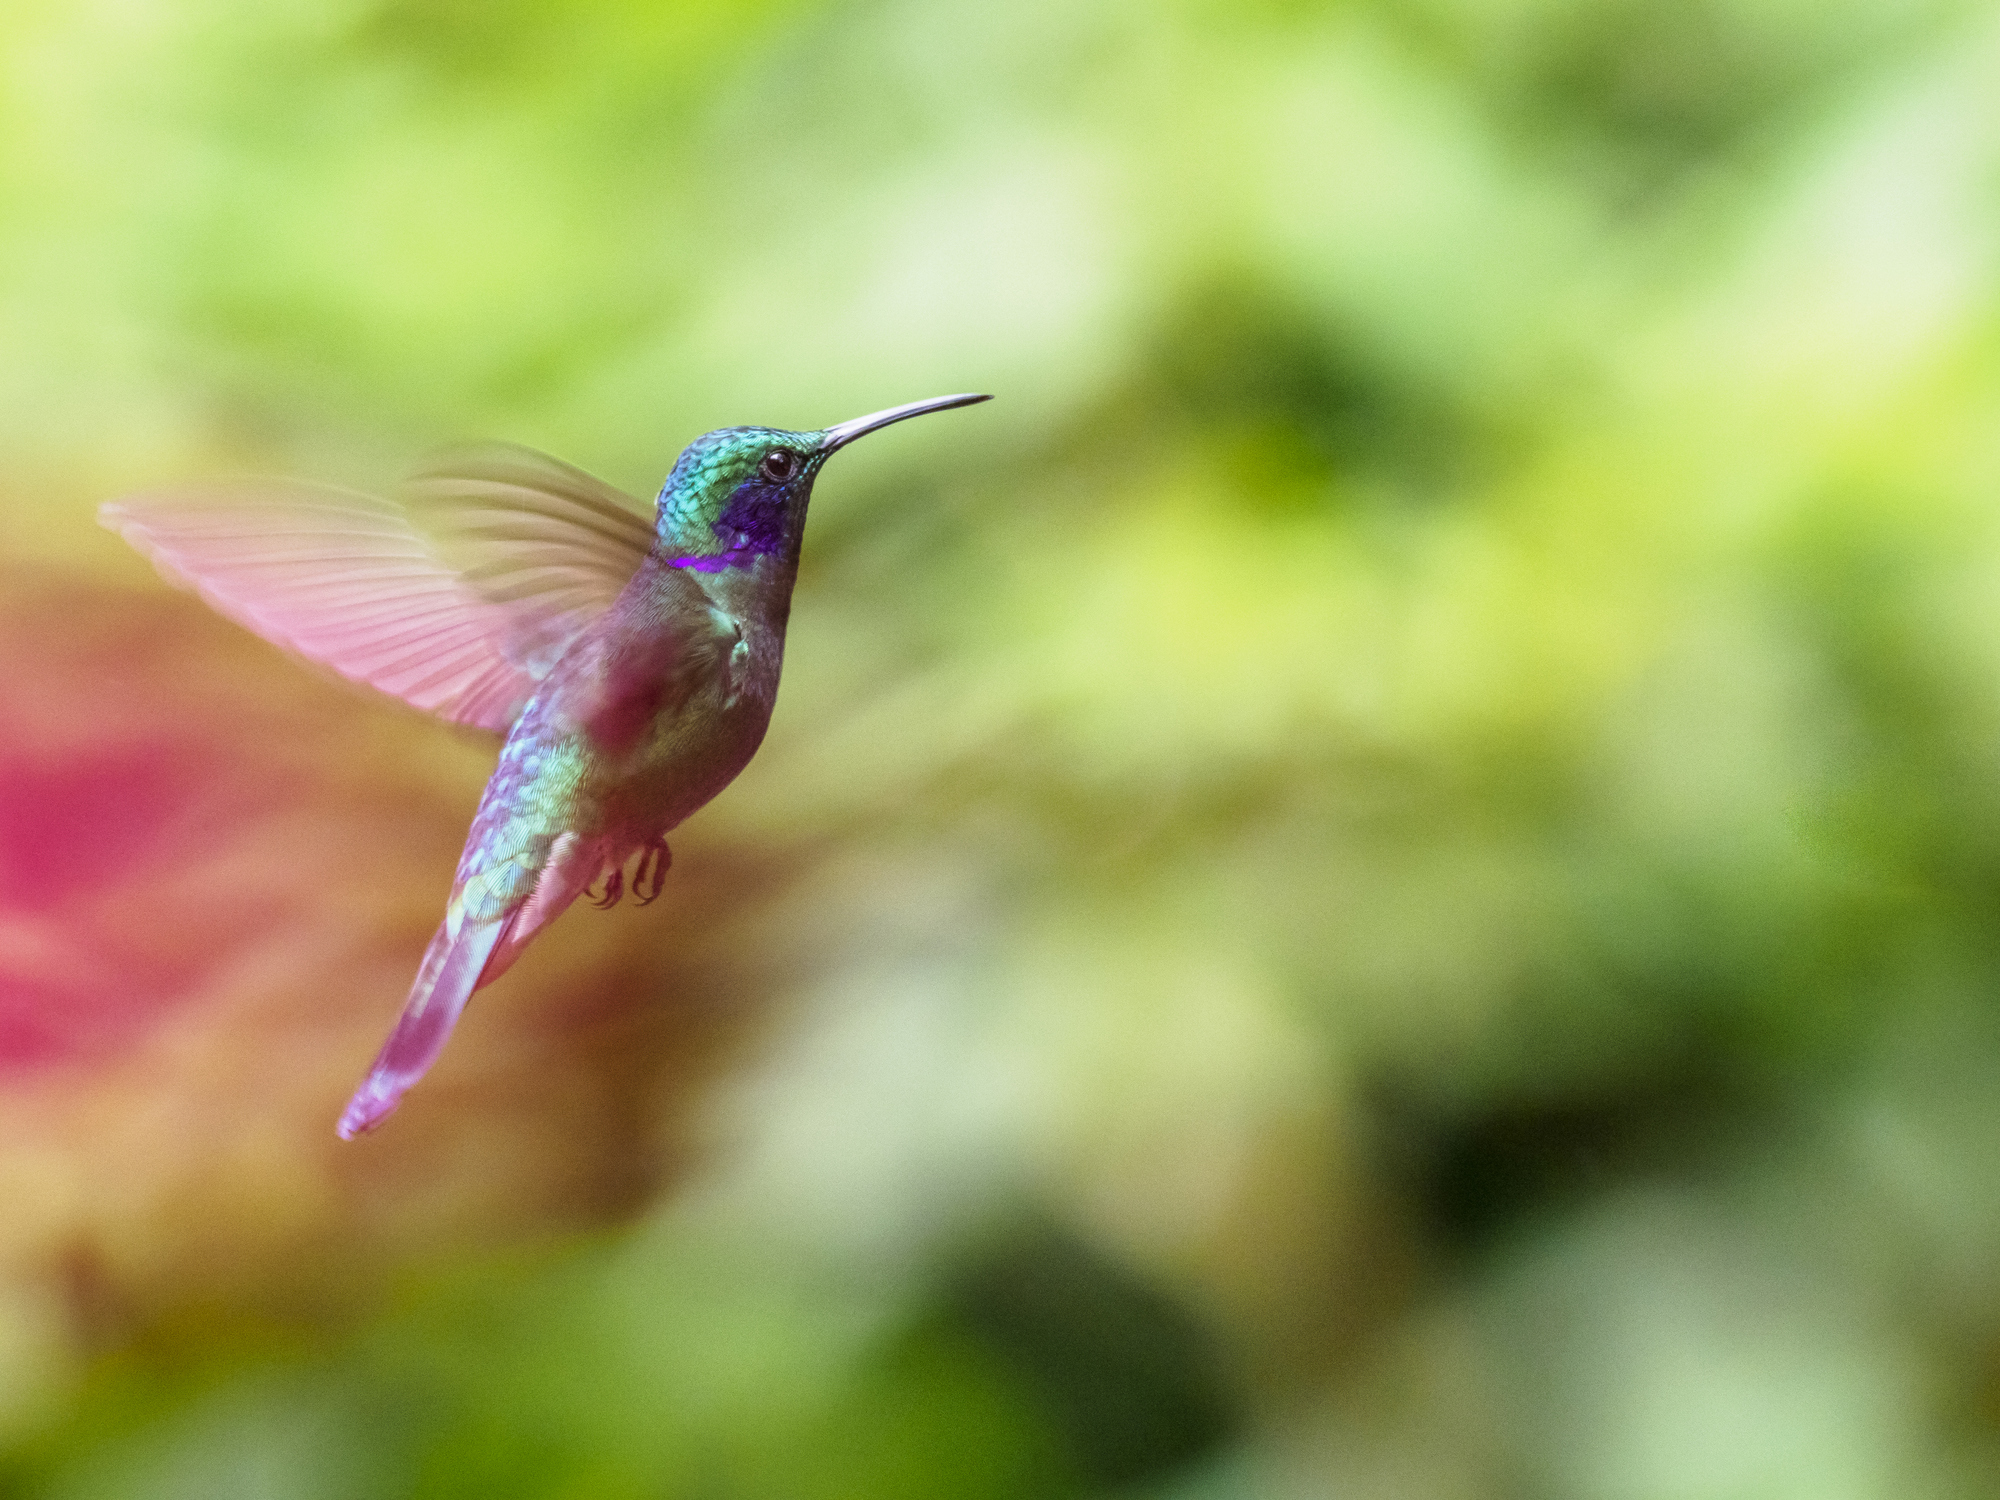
column 84, row 822
column 130, row 771
column 218, row 868
column 44, row 1021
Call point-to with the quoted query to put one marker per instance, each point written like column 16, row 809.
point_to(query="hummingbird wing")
column 550, row 544
column 457, row 603
column 341, row 578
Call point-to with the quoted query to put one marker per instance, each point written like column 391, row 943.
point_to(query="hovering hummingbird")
column 632, row 668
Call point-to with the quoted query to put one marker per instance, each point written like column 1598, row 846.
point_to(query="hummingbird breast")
column 648, row 714
column 668, row 696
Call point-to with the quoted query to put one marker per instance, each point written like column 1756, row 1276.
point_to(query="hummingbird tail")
column 454, row 967
column 573, row 864
column 451, row 970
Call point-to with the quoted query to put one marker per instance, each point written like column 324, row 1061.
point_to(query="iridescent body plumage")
column 634, row 669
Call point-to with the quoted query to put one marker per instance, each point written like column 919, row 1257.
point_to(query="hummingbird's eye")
column 779, row 465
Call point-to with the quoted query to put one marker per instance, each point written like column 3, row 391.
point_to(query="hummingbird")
column 632, row 667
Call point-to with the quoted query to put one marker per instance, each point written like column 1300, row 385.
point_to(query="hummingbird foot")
column 651, row 872
column 614, row 887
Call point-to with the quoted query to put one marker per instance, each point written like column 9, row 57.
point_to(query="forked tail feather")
column 452, row 969
column 450, row 972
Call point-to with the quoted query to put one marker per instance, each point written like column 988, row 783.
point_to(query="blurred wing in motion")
column 547, row 542
column 339, row 577
column 461, row 619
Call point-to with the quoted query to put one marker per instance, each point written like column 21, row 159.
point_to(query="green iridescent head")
column 739, row 493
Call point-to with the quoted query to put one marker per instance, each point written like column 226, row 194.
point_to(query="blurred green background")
column 1383, row 880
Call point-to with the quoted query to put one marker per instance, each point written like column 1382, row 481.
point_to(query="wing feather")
column 457, row 601
column 341, row 578
column 547, row 541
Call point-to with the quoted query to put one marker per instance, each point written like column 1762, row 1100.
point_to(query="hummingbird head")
column 740, row 493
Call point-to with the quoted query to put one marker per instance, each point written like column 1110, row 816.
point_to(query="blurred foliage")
column 1383, row 879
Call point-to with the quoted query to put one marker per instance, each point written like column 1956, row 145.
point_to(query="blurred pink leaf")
column 217, row 873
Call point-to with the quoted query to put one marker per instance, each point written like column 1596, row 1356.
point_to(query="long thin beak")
column 847, row 432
